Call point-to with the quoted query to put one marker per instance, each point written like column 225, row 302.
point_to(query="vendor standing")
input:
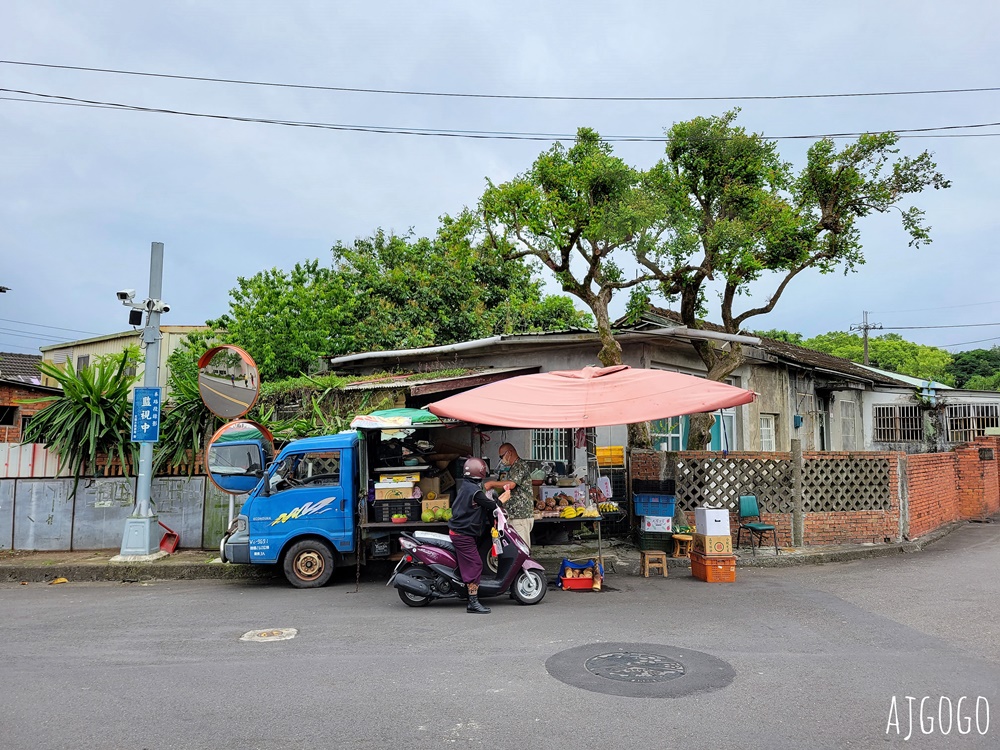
column 520, row 509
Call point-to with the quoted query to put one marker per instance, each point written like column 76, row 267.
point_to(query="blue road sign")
column 146, row 415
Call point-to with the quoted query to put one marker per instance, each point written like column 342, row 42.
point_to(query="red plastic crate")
column 713, row 569
column 579, row 584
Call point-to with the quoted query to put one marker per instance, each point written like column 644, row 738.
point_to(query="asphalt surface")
column 807, row 656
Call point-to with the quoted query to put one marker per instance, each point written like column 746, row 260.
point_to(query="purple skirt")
column 470, row 564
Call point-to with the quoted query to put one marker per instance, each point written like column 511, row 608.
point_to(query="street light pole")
column 139, row 538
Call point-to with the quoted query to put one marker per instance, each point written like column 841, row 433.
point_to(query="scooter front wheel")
column 530, row 586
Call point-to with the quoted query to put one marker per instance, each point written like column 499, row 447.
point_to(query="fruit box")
column 713, row 569
column 441, row 501
column 577, row 584
column 401, row 491
column 712, row 546
column 413, row 476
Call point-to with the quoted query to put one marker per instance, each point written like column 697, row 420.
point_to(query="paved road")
column 816, row 655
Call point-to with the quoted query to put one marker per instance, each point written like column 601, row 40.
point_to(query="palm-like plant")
column 187, row 423
column 92, row 417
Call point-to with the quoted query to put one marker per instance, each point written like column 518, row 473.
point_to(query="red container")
column 579, row 584
column 713, row 569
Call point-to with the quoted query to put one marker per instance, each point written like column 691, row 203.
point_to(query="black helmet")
column 475, row 468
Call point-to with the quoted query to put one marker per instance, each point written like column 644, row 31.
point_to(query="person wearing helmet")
column 469, row 516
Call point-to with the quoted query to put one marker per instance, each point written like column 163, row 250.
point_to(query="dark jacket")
column 472, row 509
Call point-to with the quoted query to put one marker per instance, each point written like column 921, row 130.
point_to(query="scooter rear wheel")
column 408, row 597
column 530, row 586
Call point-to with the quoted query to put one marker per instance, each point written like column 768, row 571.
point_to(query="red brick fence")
column 844, row 498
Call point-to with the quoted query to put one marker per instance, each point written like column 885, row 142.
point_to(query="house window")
column 848, row 426
column 8, row 416
column 550, row 445
column 24, row 424
column 897, row 423
column 82, row 361
column 966, row 422
column 767, row 432
column 669, row 434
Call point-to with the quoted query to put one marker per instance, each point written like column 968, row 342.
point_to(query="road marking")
column 272, row 634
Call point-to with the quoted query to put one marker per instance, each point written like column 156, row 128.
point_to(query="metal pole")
column 151, row 379
column 798, row 527
column 141, row 533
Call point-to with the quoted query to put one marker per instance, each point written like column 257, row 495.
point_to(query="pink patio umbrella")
column 591, row 397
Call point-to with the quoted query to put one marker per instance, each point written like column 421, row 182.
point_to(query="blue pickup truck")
column 304, row 513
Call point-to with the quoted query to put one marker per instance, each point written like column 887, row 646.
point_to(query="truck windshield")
column 233, row 459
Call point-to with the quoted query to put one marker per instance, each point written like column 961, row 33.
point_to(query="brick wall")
column 925, row 492
column 10, row 394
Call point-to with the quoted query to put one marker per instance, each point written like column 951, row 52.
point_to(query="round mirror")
column 227, row 381
column 238, row 456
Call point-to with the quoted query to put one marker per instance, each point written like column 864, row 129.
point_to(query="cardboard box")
column 430, row 484
column 659, row 524
column 393, row 490
column 441, row 501
column 413, row 476
column 711, row 521
column 712, row 546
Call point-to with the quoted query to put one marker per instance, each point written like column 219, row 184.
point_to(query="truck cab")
column 301, row 515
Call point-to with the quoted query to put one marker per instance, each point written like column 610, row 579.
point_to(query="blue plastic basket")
column 654, row 505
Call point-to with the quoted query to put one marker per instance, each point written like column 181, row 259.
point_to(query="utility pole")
column 864, row 328
column 139, row 539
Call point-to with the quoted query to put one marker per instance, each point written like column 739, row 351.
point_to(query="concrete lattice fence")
column 846, row 497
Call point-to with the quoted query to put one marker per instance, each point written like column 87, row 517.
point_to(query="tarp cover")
column 591, row 397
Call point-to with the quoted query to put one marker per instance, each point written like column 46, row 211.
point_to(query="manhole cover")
column 639, row 670
column 273, row 634
column 635, row 667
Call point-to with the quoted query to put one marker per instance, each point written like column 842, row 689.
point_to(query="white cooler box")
column 711, row 521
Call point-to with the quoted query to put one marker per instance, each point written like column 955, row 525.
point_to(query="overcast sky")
column 84, row 190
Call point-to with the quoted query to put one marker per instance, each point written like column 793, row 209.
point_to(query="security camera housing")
column 126, row 295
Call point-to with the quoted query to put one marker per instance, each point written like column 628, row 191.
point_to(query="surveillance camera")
column 126, row 295
column 159, row 306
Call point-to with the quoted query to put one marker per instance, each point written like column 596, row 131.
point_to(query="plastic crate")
column 713, row 569
column 654, row 505
column 578, row 584
column 654, row 486
column 383, row 510
column 656, row 540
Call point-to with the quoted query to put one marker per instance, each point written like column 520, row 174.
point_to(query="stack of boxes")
column 712, row 558
column 656, row 521
column 396, row 492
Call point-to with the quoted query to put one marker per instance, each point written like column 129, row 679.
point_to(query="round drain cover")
column 272, row 634
column 639, row 670
column 635, row 667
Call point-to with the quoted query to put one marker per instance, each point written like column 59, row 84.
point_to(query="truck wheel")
column 530, row 586
column 308, row 564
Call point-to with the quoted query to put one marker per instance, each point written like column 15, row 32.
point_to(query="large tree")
column 388, row 292
column 721, row 207
column 982, row 364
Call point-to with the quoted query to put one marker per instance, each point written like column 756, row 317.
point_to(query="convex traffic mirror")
column 227, row 381
column 238, row 456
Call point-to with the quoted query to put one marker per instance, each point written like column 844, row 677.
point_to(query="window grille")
column 897, row 423
column 966, row 422
column 82, row 361
column 767, row 432
column 848, row 426
column 550, row 445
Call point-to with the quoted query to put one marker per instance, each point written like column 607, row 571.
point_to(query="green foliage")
column 889, row 352
column 975, row 362
column 387, row 292
column 779, row 335
column 91, row 417
column 983, row 382
column 187, row 424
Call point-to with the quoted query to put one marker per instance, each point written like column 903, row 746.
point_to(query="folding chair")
column 750, row 509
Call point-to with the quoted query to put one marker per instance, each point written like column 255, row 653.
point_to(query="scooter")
column 428, row 569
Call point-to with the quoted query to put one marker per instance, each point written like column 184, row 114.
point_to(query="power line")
column 41, row 325
column 963, row 343
column 451, row 133
column 929, row 309
column 23, row 335
column 529, row 97
column 915, row 328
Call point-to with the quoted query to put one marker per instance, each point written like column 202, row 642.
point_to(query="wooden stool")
column 682, row 545
column 653, row 561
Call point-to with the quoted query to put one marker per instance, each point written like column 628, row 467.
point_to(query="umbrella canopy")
column 591, row 397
